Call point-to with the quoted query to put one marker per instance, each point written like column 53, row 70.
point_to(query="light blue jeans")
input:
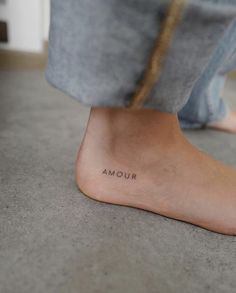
column 206, row 103
column 101, row 53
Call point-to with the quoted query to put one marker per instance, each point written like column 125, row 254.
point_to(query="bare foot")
column 228, row 124
column 141, row 159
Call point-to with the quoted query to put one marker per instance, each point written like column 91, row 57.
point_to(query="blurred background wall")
column 26, row 23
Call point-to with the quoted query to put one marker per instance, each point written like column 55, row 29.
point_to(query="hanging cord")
column 159, row 53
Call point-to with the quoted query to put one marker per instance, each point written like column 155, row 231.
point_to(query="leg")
column 140, row 157
column 206, row 106
column 228, row 121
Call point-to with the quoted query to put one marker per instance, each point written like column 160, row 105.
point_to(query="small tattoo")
column 119, row 174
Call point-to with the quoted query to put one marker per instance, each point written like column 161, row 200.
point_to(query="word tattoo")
column 119, row 174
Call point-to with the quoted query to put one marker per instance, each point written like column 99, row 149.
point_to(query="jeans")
column 136, row 53
column 205, row 104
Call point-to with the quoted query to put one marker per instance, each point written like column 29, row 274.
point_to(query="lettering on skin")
column 119, row 174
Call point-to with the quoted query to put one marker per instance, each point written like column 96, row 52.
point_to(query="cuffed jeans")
column 206, row 104
column 139, row 54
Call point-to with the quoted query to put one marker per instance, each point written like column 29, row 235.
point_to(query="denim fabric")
column 98, row 50
column 206, row 104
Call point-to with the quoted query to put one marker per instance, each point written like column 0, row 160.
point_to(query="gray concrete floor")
column 54, row 239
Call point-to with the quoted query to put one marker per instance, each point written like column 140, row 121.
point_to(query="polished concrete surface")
column 53, row 239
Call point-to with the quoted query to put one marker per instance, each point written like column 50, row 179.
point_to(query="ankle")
column 134, row 127
column 119, row 137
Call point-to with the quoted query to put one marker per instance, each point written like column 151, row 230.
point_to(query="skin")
column 141, row 159
column 228, row 124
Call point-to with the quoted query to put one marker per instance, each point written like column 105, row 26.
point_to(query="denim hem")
column 187, row 124
column 221, row 115
column 52, row 79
